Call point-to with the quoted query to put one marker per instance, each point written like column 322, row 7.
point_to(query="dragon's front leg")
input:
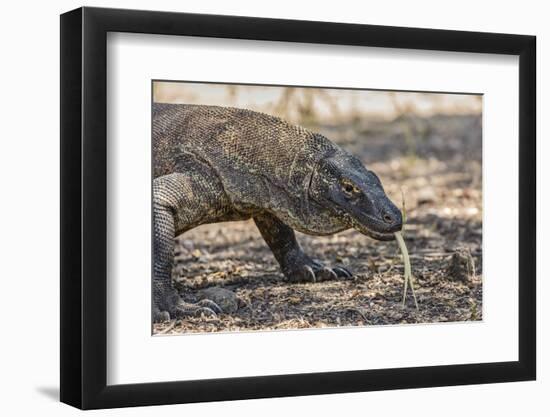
column 295, row 264
column 167, row 200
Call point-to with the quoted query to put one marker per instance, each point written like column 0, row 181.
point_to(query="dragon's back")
column 260, row 159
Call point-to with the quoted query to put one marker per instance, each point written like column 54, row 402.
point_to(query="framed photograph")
column 257, row 208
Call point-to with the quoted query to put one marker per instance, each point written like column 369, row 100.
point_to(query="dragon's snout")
column 392, row 217
column 372, row 212
column 382, row 225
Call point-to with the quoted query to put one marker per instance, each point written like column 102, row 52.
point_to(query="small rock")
column 227, row 300
column 425, row 195
column 187, row 244
column 395, row 315
column 461, row 266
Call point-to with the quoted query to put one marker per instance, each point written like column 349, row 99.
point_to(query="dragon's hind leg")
column 295, row 264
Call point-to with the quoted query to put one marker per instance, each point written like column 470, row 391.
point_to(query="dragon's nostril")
column 387, row 218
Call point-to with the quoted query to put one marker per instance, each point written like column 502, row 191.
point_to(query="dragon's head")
column 343, row 184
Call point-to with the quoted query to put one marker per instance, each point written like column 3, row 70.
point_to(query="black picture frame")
column 84, row 221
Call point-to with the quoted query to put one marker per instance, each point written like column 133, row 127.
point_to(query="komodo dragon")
column 215, row 164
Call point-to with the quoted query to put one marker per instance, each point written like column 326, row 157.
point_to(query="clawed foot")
column 205, row 306
column 310, row 270
column 183, row 309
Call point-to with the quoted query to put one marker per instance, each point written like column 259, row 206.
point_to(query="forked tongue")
column 407, row 262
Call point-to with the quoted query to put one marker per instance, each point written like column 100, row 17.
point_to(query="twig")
column 172, row 325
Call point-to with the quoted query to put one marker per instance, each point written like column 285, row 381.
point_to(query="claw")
column 342, row 272
column 313, row 271
column 326, row 274
column 211, row 305
column 315, row 263
column 310, row 275
column 207, row 311
column 186, row 310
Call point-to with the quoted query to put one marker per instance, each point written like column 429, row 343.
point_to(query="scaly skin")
column 214, row 164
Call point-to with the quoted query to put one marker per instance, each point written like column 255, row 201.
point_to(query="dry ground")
column 436, row 163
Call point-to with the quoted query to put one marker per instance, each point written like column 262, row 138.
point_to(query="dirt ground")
column 435, row 163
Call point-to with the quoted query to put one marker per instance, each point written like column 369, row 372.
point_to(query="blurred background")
column 426, row 149
column 311, row 105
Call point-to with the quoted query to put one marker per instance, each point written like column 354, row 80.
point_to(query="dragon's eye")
column 349, row 188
